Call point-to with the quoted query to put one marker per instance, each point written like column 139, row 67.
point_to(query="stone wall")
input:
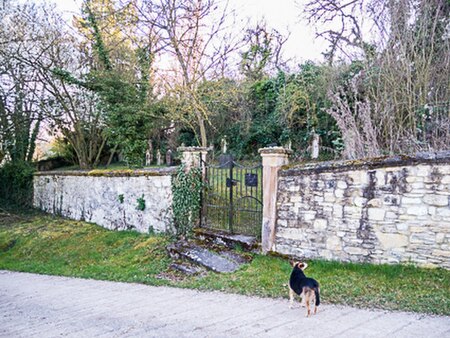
column 109, row 199
column 394, row 210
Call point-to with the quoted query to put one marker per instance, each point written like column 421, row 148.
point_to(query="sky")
column 283, row 15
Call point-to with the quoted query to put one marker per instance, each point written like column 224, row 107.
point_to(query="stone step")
column 232, row 241
column 223, row 262
column 187, row 268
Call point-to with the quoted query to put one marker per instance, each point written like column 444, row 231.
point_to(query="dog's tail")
column 317, row 294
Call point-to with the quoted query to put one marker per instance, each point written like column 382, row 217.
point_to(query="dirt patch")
column 8, row 245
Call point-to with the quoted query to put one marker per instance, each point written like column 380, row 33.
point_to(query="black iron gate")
column 232, row 199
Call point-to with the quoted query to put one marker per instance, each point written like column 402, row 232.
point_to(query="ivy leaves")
column 187, row 188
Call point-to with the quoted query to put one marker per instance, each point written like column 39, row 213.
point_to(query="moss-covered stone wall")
column 387, row 210
column 119, row 200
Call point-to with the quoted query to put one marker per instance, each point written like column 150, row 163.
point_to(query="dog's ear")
column 302, row 265
column 293, row 262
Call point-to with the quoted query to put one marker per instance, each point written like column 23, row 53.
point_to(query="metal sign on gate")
column 232, row 199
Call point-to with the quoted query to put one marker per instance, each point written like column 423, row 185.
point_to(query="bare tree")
column 340, row 22
column 196, row 43
column 263, row 50
column 21, row 94
column 411, row 87
column 400, row 52
column 42, row 44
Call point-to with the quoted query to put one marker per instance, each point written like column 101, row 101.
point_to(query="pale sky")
column 283, row 15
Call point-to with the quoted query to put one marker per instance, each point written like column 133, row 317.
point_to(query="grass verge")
column 39, row 243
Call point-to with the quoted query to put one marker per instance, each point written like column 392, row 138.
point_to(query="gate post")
column 193, row 157
column 273, row 158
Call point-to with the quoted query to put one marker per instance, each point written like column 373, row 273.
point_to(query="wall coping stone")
column 366, row 163
column 168, row 171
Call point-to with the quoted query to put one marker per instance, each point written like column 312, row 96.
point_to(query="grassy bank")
column 35, row 242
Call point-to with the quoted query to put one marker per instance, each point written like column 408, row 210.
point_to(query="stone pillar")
column 192, row 156
column 273, row 159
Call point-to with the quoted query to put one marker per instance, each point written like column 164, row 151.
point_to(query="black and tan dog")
column 307, row 288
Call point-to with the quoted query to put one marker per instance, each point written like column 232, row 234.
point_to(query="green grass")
column 35, row 242
column 45, row 244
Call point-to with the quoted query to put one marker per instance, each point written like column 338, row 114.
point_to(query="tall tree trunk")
column 112, row 155
column 99, row 152
column 32, row 145
column 201, row 124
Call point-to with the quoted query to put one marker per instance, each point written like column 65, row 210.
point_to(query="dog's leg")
column 291, row 298
column 308, row 310
column 302, row 297
column 316, row 300
column 309, row 297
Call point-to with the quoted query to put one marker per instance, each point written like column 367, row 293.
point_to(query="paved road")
column 47, row 306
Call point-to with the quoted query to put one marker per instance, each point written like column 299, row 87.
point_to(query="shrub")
column 16, row 183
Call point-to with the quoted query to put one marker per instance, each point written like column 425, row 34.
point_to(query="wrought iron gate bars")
column 239, row 209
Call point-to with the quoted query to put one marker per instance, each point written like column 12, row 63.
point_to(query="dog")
column 307, row 288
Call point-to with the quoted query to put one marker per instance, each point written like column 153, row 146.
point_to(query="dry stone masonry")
column 388, row 210
column 128, row 200
column 394, row 210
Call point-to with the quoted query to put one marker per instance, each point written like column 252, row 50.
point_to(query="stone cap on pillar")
column 193, row 156
column 275, row 156
column 274, row 150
